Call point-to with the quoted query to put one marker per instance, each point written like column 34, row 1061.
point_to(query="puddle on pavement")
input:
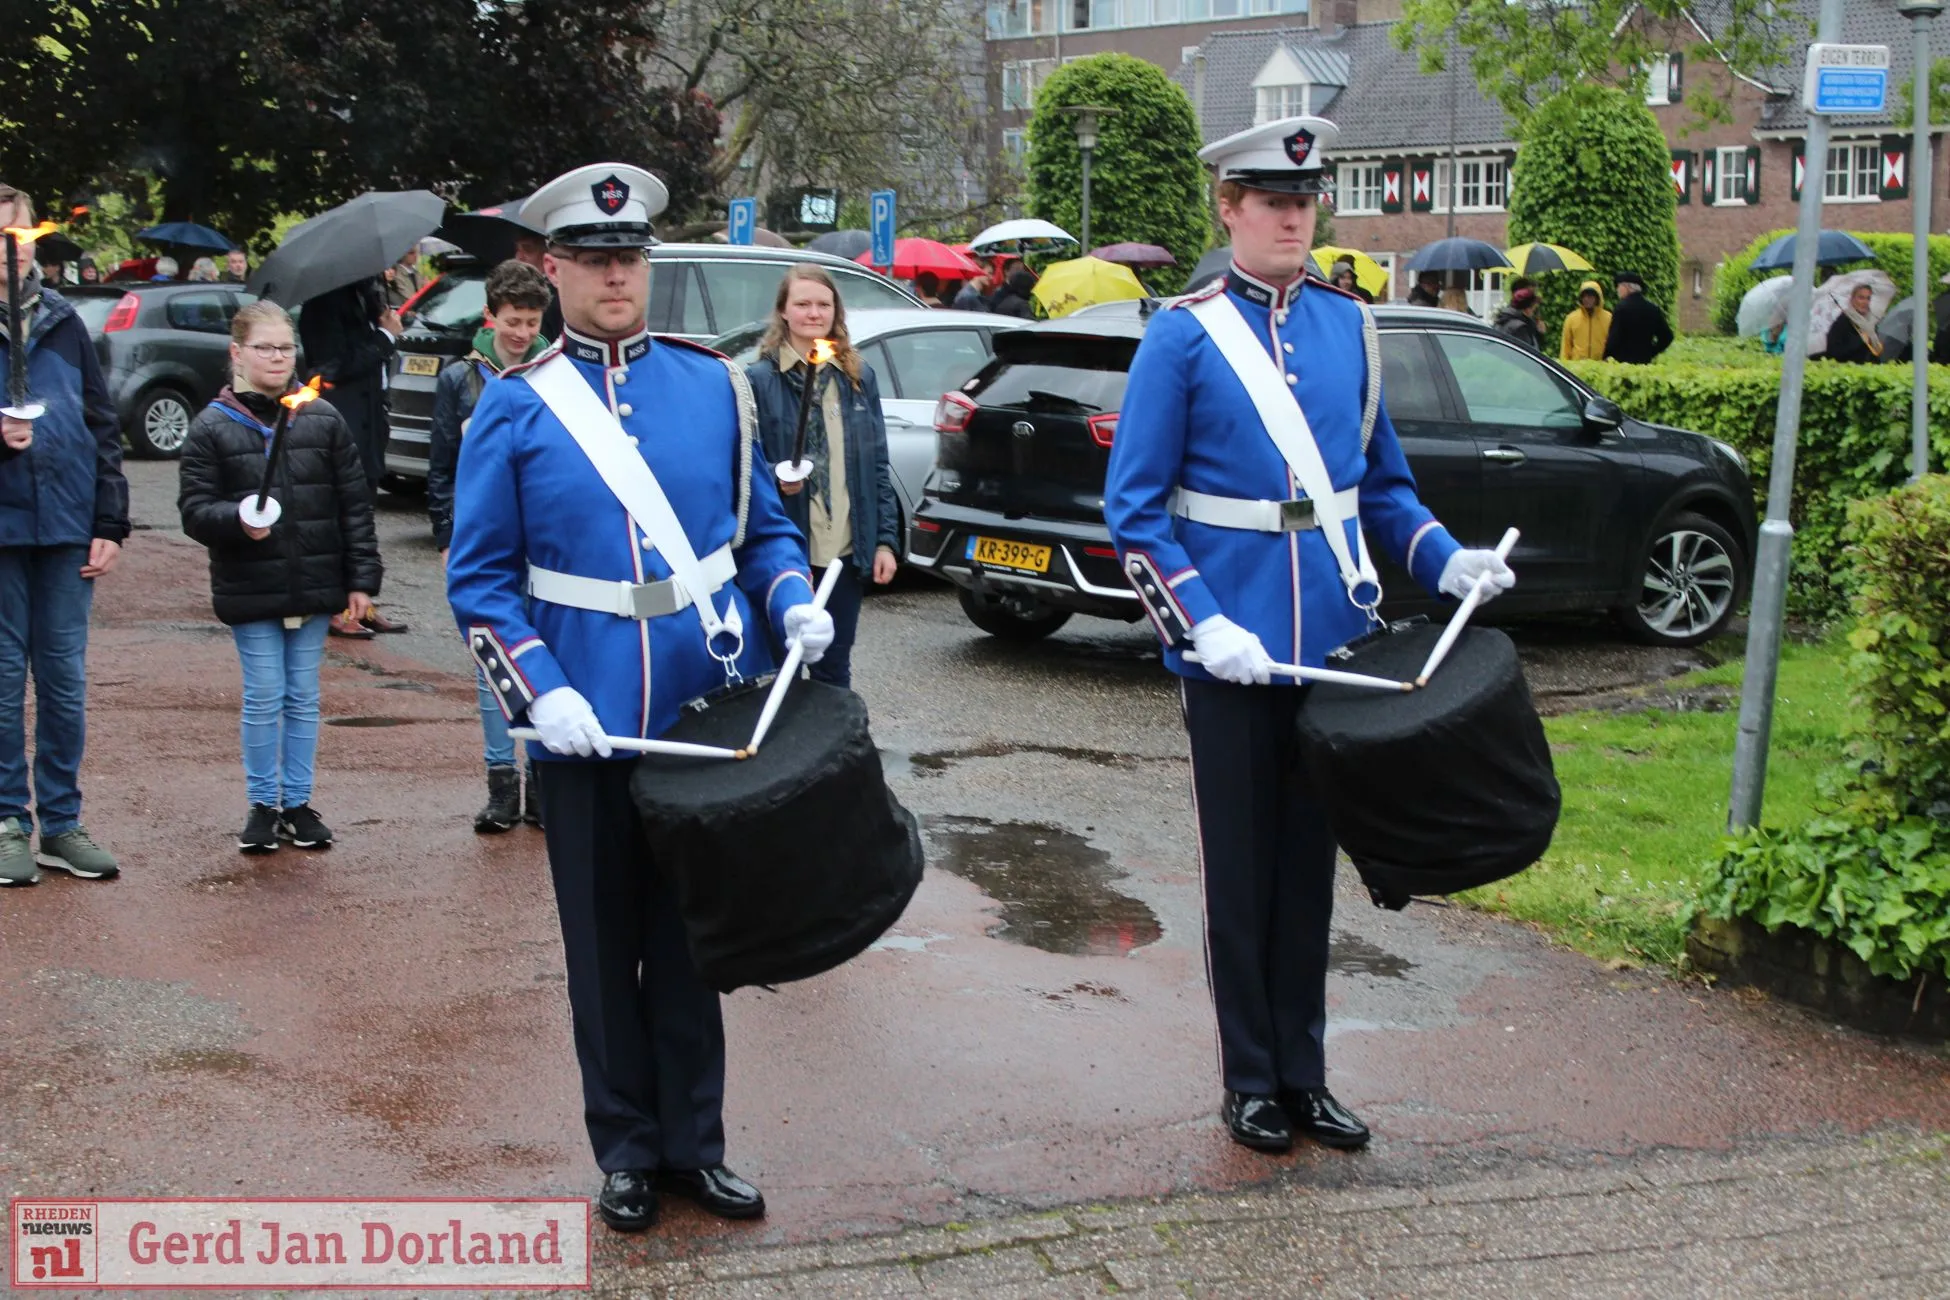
column 206, row 1060
column 1054, row 886
column 933, row 763
column 1350, row 954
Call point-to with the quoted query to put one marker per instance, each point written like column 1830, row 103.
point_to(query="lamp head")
column 1919, row 8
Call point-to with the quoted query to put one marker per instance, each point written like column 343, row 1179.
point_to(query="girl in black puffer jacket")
column 278, row 587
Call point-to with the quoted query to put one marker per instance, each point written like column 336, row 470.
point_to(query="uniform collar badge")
column 610, row 194
column 1261, row 294
column 605, row 352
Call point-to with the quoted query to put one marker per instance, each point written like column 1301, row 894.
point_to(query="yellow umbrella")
column 1368, row 273
column 1082, row 282
column 1535, row 259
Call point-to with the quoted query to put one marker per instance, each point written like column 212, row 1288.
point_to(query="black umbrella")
column 1458, row 254
column 842, row 243
column 488, row 233
column 1211, row 265
column 1832, row 248
column 185, row 234
column 352, row 242
column 55, row 250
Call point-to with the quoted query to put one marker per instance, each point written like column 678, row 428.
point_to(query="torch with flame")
column 261, row 510
column 798, row 469
column 18, row 406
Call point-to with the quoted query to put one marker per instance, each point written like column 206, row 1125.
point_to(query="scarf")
column 30, row 302
column 485, row 354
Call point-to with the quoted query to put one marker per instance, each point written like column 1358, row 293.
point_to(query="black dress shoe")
column 716, row 1189
column 629, row 1200
column 1317, row 1115
column 1258, row 1122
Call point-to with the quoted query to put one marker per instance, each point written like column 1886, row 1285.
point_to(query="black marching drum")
column 787, row 863
column 1439, row 789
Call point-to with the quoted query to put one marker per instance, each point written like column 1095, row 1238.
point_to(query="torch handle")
column 16, row 328
column 807, row 393
column 271, row 456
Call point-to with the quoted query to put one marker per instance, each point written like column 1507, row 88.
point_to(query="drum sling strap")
column 1286, row 424
column 596, row 430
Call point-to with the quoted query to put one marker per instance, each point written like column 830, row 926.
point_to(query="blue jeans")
column 44, row 603
column 836, row 665
column 499, row 750
column 280, row 726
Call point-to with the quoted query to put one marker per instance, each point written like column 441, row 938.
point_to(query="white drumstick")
column 1463, row 611
column 790, row 669
column 682, row 749
column 1326, row 675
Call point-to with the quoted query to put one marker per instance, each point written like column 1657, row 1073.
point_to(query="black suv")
column 696, row 290
column 165, row 352
column 1652, row 523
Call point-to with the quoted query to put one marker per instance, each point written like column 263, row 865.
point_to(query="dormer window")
column 1275, row 102
column 1295, row 82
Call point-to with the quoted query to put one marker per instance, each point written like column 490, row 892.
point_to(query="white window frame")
column 1029, row 74
column 1730, row 176
column 1271, row 103
column 1491, row 183
column 1658, row 81
column 1856, row 175
column 1015, row 144
column 1362, row 197
column 1386, row 261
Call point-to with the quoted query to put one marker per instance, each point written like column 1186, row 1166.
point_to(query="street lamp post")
column 1087, row 118
column 1920, row 12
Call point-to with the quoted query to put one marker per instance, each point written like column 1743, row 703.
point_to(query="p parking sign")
column 1846, row 79
column 881, row 208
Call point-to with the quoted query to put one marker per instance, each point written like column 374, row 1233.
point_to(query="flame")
column 823, row 350
column 309, row 393
column 28, row 235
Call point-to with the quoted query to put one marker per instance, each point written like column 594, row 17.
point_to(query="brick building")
column 1402, row 132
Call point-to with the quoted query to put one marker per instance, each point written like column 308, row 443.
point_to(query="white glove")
column 1464, row 567
column 567, row 723
column 812, row 628
column 1231, row 653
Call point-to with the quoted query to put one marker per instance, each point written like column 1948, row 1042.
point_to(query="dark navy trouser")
column 1267, row 861
column 649, row 1035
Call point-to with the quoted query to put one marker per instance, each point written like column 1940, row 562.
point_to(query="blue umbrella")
column 842, row 243
column 1458, row 254
column 1833, row 249
column 186, row 234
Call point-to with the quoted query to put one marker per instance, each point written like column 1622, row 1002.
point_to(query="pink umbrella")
column 913, row 256
column 1135, row 255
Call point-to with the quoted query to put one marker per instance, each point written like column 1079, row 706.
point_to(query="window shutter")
column 1797, row 169
column 1709, row 176
column 1895, row 167
column 1421, row 185
column 1391, row 185
column 1753, row 174
column 1675, row 84
column 1682, row 175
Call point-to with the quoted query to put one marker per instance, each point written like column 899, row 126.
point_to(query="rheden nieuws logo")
column 478, row 1244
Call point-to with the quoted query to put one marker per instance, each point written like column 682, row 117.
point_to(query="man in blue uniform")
column 593, row 618
column 1253, row 459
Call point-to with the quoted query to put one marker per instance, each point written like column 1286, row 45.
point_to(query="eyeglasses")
column 269, row 350
column 627, row 258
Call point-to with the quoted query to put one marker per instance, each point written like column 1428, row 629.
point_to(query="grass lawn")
column 1645, row 804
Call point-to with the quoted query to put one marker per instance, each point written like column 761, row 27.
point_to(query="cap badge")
column 1300, row 146
column 611, row 194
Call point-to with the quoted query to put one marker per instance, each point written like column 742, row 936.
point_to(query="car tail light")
column 1103, row 428
column 952, row 413
column 1101, row 552
column 926, row 526
column 122, row 315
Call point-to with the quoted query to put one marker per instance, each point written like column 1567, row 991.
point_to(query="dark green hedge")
column 1733, row 279
column 1854, row 443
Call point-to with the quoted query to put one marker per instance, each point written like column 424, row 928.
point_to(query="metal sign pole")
column 1777, row 534
column 1920, row 194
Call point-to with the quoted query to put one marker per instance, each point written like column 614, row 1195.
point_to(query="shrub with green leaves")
column 1854, row 443
column 1594, row 173
column 1734, row 278
column 1147, row 185
column 1873, row 871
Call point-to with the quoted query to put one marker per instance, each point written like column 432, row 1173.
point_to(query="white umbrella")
column 1023, row 235
column 1833, row 295
column 1758, row 306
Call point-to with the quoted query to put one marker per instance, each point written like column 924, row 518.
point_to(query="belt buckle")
column 656, row 599
column 1297, row 516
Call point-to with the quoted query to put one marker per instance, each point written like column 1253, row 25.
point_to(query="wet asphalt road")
column 388, row 1018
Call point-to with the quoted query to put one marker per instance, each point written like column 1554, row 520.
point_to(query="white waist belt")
column 629, row 599
column 1258, row 516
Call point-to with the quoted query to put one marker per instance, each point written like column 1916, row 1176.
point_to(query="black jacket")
column 1845, row 343
column 454, row 395
column 324, row 545
column 1013, row 299
column 1521, row 328
column 1638, row 331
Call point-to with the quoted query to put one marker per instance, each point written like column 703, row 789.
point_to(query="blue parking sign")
column 883, row 228
column 743, row 220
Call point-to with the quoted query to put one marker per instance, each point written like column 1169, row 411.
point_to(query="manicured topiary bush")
column 1594, row 173
column 1733, row 279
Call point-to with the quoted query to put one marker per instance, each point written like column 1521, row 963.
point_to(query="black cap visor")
column 605, row 234
column 1281, row 180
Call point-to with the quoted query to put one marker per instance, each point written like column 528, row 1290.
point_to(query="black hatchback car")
column 1654, row 524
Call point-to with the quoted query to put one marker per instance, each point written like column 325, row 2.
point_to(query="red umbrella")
column 913, row 256
column 1135, row 255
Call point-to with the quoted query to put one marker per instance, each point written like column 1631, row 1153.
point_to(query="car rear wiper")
column 1037, row 397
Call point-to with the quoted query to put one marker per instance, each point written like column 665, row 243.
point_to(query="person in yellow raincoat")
column 1585, row 329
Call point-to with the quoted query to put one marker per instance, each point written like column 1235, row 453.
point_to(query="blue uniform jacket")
column 1186, row 419
column 524, row 491
column 67, row 488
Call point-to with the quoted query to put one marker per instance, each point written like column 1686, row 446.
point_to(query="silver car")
column 917, row 353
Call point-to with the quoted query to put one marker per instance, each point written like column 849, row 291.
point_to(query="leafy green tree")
column 1147, row 185
column 1939, row 96
column 1524, row 53
column 1594, row 174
